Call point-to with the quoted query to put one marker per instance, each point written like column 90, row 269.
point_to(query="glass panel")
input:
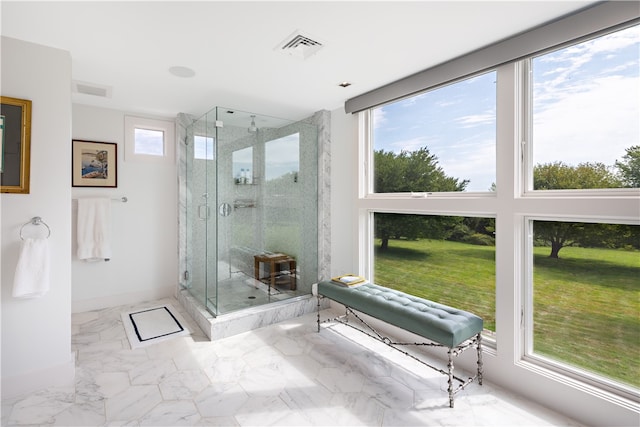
column 283, row 215
column 270, row 197
column 149, row 142
column 586, row 297
column 200, row 233
column 446, row 259
column 586, row 114
column 440, row 140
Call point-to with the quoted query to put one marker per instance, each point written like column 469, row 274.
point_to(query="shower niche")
column 249, row 189
column 243, row 166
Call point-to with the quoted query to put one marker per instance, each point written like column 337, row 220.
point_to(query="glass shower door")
column 238, row 225
column 201, row 221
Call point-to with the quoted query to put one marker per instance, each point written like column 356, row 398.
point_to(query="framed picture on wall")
column 94, row 164
column 15, row 140
column 1, row 143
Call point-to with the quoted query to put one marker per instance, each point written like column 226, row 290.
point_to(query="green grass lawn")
column 586, row 303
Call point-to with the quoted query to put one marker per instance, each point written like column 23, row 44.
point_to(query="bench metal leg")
column 451, row 352
column 480, row 358
column 318, row 298
column 450, row 380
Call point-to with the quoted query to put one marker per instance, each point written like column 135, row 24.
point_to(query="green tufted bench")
column 441, row 325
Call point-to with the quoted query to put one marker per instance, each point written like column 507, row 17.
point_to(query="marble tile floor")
column 284, row 374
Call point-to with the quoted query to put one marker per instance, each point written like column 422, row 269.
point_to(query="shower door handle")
column 224, row 209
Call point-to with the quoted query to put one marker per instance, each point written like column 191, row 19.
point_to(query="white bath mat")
column 151, row 325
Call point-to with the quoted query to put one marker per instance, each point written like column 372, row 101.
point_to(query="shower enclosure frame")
column 322, row 159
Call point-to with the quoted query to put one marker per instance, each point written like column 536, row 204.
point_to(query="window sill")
column 615, row 393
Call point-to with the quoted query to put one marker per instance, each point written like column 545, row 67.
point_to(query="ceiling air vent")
column 91, row 89
column 299, row 45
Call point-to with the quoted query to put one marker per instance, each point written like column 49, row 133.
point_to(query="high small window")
column 148, row 139
column 203, row 147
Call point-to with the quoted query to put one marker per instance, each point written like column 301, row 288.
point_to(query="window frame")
column 512, row 205
column 555, row 205
column 131, row 123
column 552, row 367
column 206, row 139
column 369, row 162
column 526, row 145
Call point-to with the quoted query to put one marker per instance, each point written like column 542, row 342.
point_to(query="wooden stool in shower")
column 276, row 262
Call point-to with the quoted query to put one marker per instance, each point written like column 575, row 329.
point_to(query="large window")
column 586, row 114
column 441, row 140
column 556, row 138
column 585, row 306
column 585, row 135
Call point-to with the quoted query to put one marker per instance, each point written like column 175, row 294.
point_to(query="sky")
column 149, row 141
column 586, row 108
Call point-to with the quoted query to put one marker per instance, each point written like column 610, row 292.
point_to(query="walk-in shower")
column 249, row 209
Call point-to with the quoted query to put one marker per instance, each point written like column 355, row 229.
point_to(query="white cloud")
column 589, row 125
column 621, row 67
column 476, row 120
column 379, row 117
column 411, row 144
column 574, row 60
column 474, row 160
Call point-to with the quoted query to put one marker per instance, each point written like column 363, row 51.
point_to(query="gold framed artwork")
column 15, row 144
column 94, row 164
column 1, row 143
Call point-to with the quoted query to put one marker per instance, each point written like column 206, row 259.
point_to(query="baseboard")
column 109, row 301
column 55, row 376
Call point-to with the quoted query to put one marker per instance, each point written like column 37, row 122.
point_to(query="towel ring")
column 36, row 220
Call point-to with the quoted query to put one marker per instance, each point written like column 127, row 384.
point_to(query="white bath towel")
column 32, row 271
column 94, row 229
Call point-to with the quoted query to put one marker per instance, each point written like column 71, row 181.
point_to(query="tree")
column 629, row 167
column 557, row 234
column 475, row 231
column 560, row 176
column 408, row 171
column 416, row 171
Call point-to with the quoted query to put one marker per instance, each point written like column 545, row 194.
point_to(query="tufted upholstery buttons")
column 437, row 322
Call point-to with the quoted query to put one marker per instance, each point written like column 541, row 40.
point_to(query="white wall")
column 344, row 179
column 36, row 333
column 144, row 241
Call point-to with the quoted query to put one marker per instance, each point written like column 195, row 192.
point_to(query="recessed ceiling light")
column 182, row 71
column 344, row 84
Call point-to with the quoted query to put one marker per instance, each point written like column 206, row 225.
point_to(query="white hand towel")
column 32, row 271
column 94, row 229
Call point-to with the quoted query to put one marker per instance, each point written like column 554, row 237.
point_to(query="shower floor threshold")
column 247, row 319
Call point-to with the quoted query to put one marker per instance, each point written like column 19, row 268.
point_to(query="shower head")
column 252, row 127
